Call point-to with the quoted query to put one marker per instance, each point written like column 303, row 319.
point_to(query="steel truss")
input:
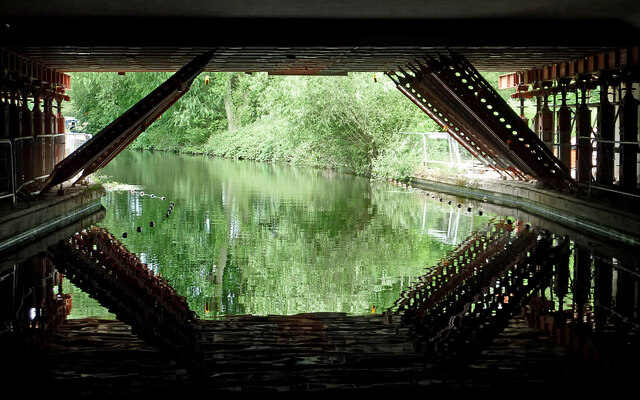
column 453, row 93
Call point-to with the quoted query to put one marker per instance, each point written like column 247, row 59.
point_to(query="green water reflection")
column 252, row 238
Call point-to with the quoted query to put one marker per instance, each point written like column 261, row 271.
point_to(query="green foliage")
column 99, row 98
column 353, row 123
column 83, row 305
column 346, row 123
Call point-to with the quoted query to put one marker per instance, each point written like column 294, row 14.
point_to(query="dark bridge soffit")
column 324, row 38
column 362, row 9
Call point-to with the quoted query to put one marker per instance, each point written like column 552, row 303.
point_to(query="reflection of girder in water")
column 97, row 263
column 464, row 259
column 469, row 260
column 482, row 263
column 503, row 263
column 460, row 285
column 484, row 317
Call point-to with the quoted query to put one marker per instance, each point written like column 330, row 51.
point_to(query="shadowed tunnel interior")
column 495, row 310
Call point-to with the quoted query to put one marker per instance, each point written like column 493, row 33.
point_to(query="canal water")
column 237, row 237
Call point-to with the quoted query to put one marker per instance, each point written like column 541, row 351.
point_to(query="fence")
column 28, row 159
column 73, row 140
column 454, row 150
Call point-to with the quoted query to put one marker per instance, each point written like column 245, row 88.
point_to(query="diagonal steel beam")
column 459, row 98
column 431, row 100
column 105, row 145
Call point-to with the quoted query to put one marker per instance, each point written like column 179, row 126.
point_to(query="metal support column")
column 15, row 116
column 545, row 123
column 629, row 138
column 27, row 139
column 6, row 148
column 584, row 148
column 564, row 130
column 522, row 116
column 536, row 119
column 59, row 139
column 49, row 131
column 606, row 132
column 38, row 131
column 4, row 116
column 15, row 132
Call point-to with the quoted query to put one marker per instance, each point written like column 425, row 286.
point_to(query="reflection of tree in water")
column 317, row 242
column 228, row 286
column 226, row 274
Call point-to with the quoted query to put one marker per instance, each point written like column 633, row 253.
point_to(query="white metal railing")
column 26, row 159
column 454, row 150
column 73, row 140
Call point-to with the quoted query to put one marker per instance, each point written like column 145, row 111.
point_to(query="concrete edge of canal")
column 566, row 210
column 43, row 216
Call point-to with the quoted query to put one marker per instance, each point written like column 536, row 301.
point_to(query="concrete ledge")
column 9, row 259
column 567, row 210
column 19, row 227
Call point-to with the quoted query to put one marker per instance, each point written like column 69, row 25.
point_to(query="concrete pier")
column 53, row 211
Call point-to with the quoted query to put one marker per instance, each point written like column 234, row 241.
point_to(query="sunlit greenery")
column 266, row 238
column 351, row 123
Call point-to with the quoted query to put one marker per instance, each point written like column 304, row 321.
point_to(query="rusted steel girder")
column 105, row 145
column 460, row 99
column 546, row 124
column 428, row 97
column 432, row 111
column 610, row 60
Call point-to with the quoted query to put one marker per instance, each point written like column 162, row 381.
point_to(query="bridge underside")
column 309, row 46
column 309, row 36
